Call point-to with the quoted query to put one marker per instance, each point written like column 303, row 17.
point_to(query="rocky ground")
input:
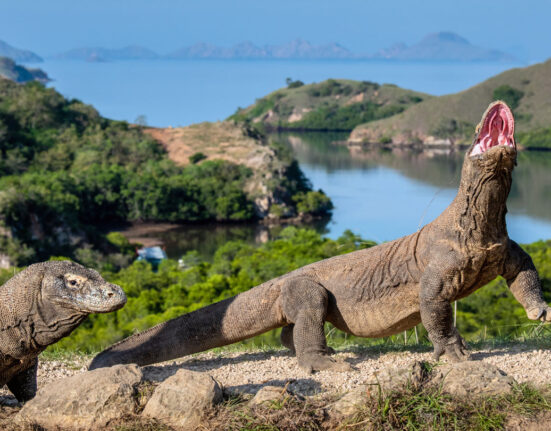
column 245, row 373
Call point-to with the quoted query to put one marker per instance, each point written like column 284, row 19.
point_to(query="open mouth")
column 498, row 127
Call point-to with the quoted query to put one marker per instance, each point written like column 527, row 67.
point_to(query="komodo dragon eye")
column 74, row 280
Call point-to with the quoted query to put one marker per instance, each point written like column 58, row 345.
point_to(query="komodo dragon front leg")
column 440, row 282
column 304, row 305
column 524, row 283
column 23, row 385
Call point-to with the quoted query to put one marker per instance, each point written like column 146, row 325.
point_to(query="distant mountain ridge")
column 19, row 55
column 296, row 49
column 15, row 72
column 445, row 46
column 131, row 52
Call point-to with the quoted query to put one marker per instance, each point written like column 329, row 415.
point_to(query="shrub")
column 313, row 202
column 293, row 84
column 196, row 158
column 509, row 95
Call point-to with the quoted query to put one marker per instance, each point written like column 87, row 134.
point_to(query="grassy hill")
column 452, row 118
column 334, row 104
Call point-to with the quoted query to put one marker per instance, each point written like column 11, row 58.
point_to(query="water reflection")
column 383, row 194
column 205, row 238
column 380, row 194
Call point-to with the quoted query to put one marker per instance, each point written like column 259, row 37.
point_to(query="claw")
column 541, row 314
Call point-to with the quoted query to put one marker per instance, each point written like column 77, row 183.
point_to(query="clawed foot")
column 456, row 350
column 316, row 362
column 542, row 313
column 329, row 350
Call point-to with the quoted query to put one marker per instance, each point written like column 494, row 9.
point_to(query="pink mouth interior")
column 497, row 128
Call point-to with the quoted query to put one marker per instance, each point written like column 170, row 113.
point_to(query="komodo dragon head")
column 69, row 285
column 493, row 151
column 39, row 306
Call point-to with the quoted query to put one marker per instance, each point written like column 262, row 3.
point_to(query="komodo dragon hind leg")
column 23, row 385
column 286, row 338
column 304, row 302
column 288, row 342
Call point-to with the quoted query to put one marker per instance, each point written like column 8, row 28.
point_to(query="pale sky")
column 52, row 26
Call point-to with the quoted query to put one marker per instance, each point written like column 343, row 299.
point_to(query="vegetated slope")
column 453, row 117
column 10, row 70
column 66, row 172
column 276, row 185
column 335, row 104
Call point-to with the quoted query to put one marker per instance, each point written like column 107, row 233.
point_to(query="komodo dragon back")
column 378, row 291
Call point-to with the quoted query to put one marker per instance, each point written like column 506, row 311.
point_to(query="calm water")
column 172, row 93
column 381, row 195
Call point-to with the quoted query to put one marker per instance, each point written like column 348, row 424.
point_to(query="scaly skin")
column 41, row 305
column 378, row 291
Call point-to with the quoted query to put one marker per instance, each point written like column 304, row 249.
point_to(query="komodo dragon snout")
column 39, row 306
column 379, row 291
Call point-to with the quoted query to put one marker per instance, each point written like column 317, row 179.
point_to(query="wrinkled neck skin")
column 480, row 206
column 51, row 321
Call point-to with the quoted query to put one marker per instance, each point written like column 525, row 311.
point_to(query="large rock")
column 84, row 401
column 181, row 400
column 381, row 383
column 351, row 402
column 392, row 379
column 472, row 378
column 269, row 394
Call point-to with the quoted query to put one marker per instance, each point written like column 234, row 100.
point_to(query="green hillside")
column 334, row 104
column 66, row 173
column 452, row 118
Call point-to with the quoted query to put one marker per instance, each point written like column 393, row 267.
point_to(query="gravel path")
column 246, row 372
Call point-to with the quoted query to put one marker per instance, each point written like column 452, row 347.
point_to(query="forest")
column 156, row 295
column 66, row 174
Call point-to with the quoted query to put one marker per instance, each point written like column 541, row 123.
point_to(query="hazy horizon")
column 48, row 28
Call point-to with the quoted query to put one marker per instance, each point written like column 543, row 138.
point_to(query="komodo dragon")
column 41, row 305
column 379, row 291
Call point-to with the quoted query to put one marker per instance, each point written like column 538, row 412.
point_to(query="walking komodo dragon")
column 379, row 291
column 41, row 305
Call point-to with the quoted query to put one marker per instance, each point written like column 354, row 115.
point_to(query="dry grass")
column 221, row 140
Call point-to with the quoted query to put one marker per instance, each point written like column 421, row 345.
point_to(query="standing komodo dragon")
column 41, row 305
column 379, row 291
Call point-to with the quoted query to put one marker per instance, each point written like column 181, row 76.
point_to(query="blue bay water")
column 179, row 93
column 382, row 204
column 379, row 199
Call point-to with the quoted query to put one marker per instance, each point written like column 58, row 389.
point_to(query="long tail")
column 234, row 319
